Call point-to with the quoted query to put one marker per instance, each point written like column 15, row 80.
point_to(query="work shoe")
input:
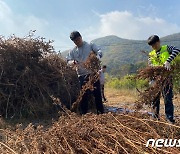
column 171, row 121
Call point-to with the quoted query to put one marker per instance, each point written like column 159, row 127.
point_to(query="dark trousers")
column 97, row 95
column 167, row 94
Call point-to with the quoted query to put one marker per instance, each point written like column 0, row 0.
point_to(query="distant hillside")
column 123, row 56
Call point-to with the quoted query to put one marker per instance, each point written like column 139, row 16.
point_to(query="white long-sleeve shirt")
column 80, row 54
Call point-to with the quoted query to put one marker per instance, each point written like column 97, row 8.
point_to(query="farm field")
column 91, row 133
column 126, row 98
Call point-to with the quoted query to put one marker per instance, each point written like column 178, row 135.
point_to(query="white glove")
column 98, row 56
column 152, row 83
column 167, row 65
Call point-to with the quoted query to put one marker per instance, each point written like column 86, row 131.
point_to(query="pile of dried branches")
column 93, row 63
column 106, row 133
column 161, row 78
column 31, row 75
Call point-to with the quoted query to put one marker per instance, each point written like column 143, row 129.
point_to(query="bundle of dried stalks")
column 161, row 78
column 93, row 64
column 30, row 74
column 106, row 133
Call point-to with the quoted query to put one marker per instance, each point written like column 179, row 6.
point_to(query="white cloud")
column 121, row 23
column 13, row 23
column 126, row 25
column 21, row 24
column 5, row 10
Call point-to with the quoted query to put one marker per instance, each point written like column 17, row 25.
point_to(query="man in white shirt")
column 77, row 56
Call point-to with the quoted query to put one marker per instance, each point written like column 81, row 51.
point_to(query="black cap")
column 74, row 35
column 153, row 39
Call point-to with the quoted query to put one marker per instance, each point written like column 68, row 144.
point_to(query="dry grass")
column 92, row 134
column 96, row 134
column 120, row 98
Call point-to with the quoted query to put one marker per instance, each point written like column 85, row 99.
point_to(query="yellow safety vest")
column 161, row 58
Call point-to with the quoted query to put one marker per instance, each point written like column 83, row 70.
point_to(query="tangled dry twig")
column 161, row 78
column 30, row 74
column 106, row 133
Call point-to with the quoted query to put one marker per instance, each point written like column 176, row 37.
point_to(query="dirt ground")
column 126, row 99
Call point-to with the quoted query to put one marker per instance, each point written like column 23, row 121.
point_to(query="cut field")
column 126, row 99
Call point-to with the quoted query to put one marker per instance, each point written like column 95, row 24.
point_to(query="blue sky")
column 55, row 19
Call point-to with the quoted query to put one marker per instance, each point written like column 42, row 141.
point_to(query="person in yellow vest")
column 163, row 55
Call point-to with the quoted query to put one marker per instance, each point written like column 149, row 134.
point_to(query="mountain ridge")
column 124, row 56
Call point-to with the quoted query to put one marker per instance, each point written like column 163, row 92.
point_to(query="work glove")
column 100, row 54
column 72, row 62
column 151, row 83
column 167, row 65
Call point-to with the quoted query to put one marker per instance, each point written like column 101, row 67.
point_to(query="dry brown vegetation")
column 32, row 75
column 107, row 133
column 161, row 78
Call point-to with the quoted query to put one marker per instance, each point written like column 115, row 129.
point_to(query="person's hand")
column 72, row 63
column 167, row 65
column 98, row 56
column 75, row 64
column 152, row 83
column 78, row 64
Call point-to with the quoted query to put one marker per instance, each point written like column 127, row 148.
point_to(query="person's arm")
column 173, row 51
column 96, row 50
column 149, row 61
column 70, row 58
